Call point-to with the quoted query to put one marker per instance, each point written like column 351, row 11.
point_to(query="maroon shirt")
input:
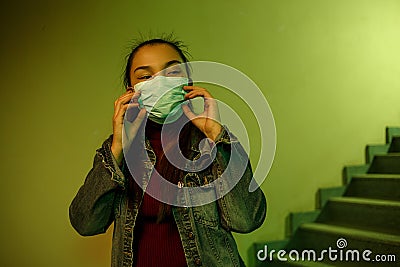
column 158, row 244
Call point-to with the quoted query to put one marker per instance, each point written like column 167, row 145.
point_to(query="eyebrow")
column 166, row 65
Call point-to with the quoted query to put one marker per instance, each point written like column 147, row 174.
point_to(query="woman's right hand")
column 121, row 105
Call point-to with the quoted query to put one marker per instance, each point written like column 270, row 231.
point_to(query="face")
column 156, row 59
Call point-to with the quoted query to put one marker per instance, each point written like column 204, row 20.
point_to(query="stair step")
column 319, row 237
column 386, row 164
column 375, row 186
column 368, row 214
column 395, row 145
column 324, row 194
column 350, row 171
column 391, row 132
column 372, row 150
column 295, row 219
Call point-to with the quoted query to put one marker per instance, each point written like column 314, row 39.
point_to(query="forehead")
column 155, row 55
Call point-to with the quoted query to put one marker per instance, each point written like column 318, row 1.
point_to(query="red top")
column 158, row 244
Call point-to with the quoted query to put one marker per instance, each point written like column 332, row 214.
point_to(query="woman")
column 152, row 228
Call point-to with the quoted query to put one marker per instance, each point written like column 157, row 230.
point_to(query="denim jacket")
column 205, row 230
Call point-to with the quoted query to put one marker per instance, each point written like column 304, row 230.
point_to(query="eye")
column 144, row 77
column 173, row 71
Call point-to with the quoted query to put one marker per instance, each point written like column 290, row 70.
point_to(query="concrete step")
column 318, row 237
column 295, row 219
column 350, row 171
column 395, row 145
column 324, row 194
column 391, row 132
column 375, row 186
column 372, row 150
column 386, row 163
column 361, row 213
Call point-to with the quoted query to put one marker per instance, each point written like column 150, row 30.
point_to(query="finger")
column 209, row 102
column 123, row 99
column 131, row 128
column 120, row 112
column 188, row 112
column 130, row 89
column 134, row 113
column 130, row 113
column 135, row 97
column 211, row 106
column 132, row 105
column 193, row 87
column 197, row 93
column 119, row 109
column 197, row 88
column 142, row 114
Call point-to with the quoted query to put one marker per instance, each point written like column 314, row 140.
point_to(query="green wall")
column 329, row 69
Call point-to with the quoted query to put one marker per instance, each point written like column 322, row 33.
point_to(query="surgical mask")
column 162, row 97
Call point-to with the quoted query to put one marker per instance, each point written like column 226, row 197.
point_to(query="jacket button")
column 191, row 235
column 197, row 262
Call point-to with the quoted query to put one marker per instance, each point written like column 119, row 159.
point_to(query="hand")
column 208, row 120
column 122, row 105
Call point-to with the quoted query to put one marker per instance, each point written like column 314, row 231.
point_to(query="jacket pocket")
column 206, row 214
column 204, row 205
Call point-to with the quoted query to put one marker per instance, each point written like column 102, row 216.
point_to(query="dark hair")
column 178, row 45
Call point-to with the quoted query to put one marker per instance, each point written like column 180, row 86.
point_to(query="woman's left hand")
column 208, row 120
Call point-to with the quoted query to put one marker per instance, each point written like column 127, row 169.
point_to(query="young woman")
column 152, row 226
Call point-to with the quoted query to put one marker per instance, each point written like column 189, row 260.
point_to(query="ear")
column 130, row 88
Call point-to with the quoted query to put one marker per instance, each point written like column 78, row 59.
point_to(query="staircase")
column 354, row 223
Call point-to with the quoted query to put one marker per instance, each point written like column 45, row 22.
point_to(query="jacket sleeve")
column 91, row 211
column 240, row 210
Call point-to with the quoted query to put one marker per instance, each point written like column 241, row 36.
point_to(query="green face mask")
column 162, row 97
